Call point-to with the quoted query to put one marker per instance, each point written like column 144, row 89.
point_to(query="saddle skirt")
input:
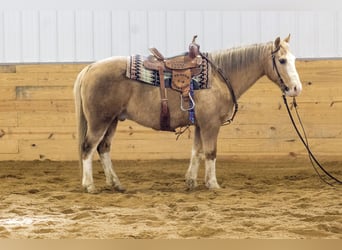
column 137, row 71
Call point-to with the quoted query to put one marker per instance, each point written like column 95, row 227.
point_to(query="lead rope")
column 305, row 142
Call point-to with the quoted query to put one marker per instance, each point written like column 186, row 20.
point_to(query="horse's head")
column 282, row 68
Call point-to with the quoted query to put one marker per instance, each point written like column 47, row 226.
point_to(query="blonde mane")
column 235, row 59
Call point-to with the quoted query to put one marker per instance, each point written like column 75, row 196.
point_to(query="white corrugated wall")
column 68, row 31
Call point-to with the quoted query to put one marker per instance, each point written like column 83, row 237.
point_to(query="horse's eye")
column 282, row 60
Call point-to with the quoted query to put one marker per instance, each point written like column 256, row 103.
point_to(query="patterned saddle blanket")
column 137, row 71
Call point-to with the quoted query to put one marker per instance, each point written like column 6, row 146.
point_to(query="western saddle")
column 183, row 68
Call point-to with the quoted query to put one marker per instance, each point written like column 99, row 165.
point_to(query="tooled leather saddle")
column 183, row 68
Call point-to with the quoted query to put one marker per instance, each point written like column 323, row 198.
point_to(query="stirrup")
column 191, row 101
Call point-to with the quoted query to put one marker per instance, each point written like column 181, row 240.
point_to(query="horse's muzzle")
column 294, row 91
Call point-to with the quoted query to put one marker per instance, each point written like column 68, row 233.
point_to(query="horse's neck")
column 244, row 79
column 243, row 70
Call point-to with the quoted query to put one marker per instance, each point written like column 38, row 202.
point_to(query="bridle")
column 283, row 86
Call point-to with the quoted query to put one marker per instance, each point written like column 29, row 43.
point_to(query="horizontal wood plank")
column 51, row 67
column 46, row 119
column 7, row 93
column 44, row 92
column 38, row 133
column 59, row 105
column 8, row 69
column 8, row 119
column 38, row 79
column 8, row 146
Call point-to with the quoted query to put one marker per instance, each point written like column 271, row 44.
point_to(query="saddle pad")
column 137, row 71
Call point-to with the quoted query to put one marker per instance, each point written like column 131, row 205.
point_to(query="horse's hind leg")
column 103, row 150
column 89, row 145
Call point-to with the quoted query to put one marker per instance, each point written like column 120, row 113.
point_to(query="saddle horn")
column 194, row 48
column 194, row 39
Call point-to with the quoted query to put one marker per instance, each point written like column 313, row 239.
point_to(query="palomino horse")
column 104, row 96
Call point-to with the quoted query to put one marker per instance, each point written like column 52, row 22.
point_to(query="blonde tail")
column 80, row 118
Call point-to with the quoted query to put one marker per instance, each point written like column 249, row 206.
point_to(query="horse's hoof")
column 191, row 184
column 91, row 189
column 120, row 189
column 212, row 185
column 115, row 188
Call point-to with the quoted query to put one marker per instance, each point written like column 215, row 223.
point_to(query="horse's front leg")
column 196, row 156
column 209, row 141
column 210, row 173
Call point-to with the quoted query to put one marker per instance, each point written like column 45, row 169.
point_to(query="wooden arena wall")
column 37, row 120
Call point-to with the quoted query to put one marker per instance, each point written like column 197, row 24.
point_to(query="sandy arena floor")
column 258, row 199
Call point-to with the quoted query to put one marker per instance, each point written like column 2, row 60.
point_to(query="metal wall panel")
column 269, row 26
column 287, row 21
column 307, row 34
column 138, row 32
column 88, row 35
column 212, row 27
column 2, row 45
column 48, row 36
column 102, row 34
column 339, row 34
column 326, row 32
column 250, row 27
column 121, row 33
column 66, row 36
column 84, row 31
column 231, row 29
column 157, row 30
column 175, row 35
column 30, row 36
column 194, row 25
column 12, row 36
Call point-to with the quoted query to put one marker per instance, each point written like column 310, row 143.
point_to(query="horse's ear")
column 287, row 39
column 277, row 42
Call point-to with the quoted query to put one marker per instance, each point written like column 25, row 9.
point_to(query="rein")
column 305, row 142
column 230, row 88
column 312, row 158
